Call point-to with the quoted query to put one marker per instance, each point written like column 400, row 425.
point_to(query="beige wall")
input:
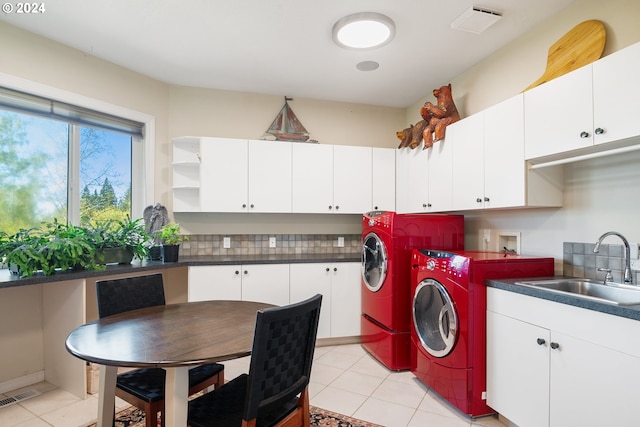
column 209, row 112
column 599, row 195
column 514, row 67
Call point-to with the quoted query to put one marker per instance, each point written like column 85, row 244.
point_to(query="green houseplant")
column 171, row 238
column 119, row 241
column 48, row 248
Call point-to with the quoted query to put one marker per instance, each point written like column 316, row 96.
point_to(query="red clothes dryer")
column 388, row 239
column 448, row 328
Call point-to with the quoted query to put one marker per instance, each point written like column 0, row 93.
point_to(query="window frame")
column 142, row 150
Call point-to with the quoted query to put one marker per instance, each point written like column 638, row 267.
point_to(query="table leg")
column 107, row 402
column 176, row 396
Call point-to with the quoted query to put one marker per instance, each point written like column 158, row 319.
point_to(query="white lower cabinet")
column 339, row 284
column 251, row 282
column 308, row 280
column 552, row 364
column 281, row 284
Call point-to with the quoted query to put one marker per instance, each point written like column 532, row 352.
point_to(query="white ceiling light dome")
column 363, row 30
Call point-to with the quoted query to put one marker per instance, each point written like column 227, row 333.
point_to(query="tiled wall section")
column 258, row 244
column 579, row 260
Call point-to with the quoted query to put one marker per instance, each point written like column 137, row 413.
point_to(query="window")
column 66, row 162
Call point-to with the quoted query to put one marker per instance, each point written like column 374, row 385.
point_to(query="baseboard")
column 20, row 382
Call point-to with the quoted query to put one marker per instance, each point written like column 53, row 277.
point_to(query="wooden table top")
column 170, row 335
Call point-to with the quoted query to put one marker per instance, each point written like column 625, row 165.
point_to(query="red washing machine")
column 388, row 239
column 448, row 331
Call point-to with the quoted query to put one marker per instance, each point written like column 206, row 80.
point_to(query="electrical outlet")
column 635, row 264
column 272, row 242
column 341, row 242
column 226, row 242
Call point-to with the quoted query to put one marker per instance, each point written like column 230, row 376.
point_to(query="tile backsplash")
column 579, row 260
column 258, row 244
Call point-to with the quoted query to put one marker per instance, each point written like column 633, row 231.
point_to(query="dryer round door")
column 435, row 318
column 374, row 262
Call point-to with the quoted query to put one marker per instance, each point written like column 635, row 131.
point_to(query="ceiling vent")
column 476, row 20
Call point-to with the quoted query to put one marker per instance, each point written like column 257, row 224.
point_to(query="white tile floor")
column 345, row 379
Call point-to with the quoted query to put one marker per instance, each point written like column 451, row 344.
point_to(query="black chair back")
column 116, row 296
column 283, row 346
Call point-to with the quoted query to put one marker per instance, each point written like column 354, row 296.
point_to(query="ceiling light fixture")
column 364, row 30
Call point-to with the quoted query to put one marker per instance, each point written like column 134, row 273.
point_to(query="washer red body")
column 460, row 375
column 386, row 316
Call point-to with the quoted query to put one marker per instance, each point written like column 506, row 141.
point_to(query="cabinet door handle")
column 337, row 207
column 328, row 268
column 479, row 200
column 330, row 207
column 599, row 131
column 246, row 272
column 244, row 205
column 335, row 268
column 540, row 341
column 584, row 134
column 237, row 272
column 555, row 345
column 251, row 205
column 375, row 208
column 486, row 199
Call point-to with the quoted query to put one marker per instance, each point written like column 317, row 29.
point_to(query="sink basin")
column 612, row 293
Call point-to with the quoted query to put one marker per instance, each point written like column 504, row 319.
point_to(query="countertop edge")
column 510, row 285
column 8, row 280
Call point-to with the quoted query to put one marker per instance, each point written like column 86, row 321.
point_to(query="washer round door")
column 435, row 318
column 374, row 262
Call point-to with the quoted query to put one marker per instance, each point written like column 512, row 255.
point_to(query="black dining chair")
column 144, row 388
column 275, row 392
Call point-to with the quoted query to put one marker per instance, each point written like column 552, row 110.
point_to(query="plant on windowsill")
column 119, row 241
column 53, row 246
column 171, row 238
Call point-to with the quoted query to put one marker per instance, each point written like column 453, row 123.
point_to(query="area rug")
column 133, row 417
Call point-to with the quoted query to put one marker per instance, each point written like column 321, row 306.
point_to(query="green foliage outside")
column 33, row 182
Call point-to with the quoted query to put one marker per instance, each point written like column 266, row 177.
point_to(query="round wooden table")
column 175, row 337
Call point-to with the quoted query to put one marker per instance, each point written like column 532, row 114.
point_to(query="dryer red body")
column 448, row 328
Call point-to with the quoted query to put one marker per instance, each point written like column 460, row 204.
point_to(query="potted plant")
column 48, row 248
column 119, row 241
column 171, row 238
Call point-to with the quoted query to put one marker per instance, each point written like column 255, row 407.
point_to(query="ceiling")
column 285, row 47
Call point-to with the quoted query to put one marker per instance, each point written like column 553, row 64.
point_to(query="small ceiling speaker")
column 475, row 20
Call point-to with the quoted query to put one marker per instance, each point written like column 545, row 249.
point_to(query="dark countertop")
column 8, row 280
column 628, row 311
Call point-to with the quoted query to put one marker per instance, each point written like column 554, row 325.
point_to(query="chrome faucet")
column 627, row 253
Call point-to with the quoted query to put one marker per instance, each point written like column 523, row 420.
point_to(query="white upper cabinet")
column 352, row 179
column 616, row 95
column 224, row 175
column 331, row 179
column 505, row 173
column 559, row 115
column 269, row 176
column 384, row 179
column 489, row 165
column 312, row 178
column 412, row 180
column 440, row 173
column 596, row 104
column 468, row 161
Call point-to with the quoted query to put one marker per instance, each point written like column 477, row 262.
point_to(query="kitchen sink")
column 612, row 293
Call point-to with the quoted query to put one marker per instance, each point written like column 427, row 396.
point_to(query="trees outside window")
column 41, row 179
